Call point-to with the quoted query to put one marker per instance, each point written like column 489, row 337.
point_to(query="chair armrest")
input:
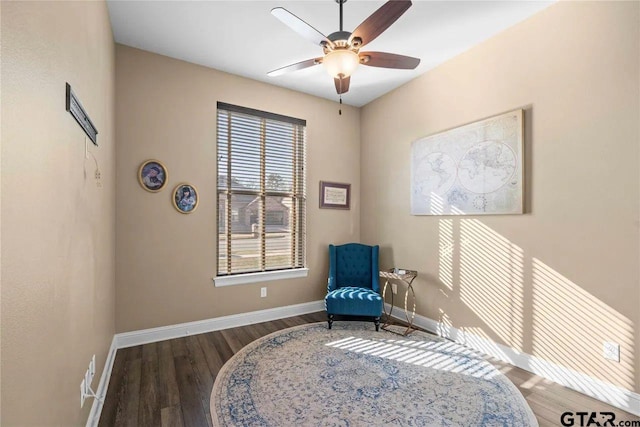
column 375, row 270
column 331, row 282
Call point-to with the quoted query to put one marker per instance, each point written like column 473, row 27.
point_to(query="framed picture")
column 185, row 198
column 334, row 195
column 474, row 169
column 153, row 175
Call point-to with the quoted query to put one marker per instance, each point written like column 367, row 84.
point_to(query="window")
column 275, row 218
column 261, row 191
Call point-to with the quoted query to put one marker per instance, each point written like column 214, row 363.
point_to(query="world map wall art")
column 475, row 169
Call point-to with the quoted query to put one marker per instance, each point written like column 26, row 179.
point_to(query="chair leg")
column 377, row 322
column 330, row 320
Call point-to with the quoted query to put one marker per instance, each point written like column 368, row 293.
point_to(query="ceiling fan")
column 342, row 48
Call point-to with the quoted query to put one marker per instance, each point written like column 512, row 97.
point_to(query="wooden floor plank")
column 148, row 414
column 232, row 340
column 253, row 332
column 129, row 415
column 121, row 403
column 280, row 324
column 171, row 416
column 572, row 401
column 543, row 422
column 200, row 366
column 315, row 317
column 169, row 393
column 214, row 359
column 179, row 347
column 543, row 410
column 208, row 415
column 270, row 327
column 294, row 321
column 552, row 403
column 218, row 340
column 204, row 378
column 185, row 369
column 115, row 390
column 243, row 335
column 262, row 329
column 190, row 397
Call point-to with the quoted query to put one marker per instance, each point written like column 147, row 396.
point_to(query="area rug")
column 353, row 376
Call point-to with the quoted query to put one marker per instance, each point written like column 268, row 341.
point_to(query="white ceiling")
column 243, row 38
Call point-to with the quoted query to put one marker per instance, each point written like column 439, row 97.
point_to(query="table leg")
column 410, row 328
column 387, row 316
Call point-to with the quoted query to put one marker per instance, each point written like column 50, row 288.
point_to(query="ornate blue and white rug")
column 353, row 376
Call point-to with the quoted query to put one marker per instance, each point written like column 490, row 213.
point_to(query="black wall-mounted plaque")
column 77, row 111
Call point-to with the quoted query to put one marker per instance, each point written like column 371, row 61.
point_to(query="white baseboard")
column 603, row 391
column 96, row 408
column 585, row 384
column 145, row 336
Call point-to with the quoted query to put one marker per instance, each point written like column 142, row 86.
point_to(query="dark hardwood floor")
column 169, row 383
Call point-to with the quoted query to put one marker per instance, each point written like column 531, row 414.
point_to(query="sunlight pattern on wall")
column 470, row 336
column 570, row 326
column 511, row 300
column 445, row 250
column 491, row 281
column 477, row 338
column 445, row 325
column 446, row 241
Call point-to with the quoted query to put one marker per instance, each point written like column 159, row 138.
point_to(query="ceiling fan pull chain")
column 340, row 110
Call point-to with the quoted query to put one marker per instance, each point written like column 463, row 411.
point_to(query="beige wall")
column 555, row 282
column 58, row 226
column 0, row 213
column 166, row 109
column 559, row 280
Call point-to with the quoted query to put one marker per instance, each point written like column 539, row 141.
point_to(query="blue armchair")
column 353, row 288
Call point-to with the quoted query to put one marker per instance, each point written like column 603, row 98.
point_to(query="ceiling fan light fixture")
column 341, row 62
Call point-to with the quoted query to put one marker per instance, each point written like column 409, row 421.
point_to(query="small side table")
column 404, row 277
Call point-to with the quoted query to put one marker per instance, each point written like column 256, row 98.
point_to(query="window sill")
column 263, row 276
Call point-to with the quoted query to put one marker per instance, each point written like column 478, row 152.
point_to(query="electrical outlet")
column 263, row 292
column 83, row 393
column 394, row 288
column 611, row 351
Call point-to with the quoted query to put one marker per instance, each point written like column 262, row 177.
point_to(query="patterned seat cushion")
column 355, row 301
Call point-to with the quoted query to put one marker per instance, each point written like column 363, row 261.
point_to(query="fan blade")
column 388, row 60
column 300, row 27
column 380, row 20
column 295, row 67
column 342, row 84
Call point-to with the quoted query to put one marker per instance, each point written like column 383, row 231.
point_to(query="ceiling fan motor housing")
column 340, row 40
column 339, row 35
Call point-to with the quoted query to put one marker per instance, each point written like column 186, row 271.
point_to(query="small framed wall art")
column 334, row 195
column 185, row 198
column 153, row 175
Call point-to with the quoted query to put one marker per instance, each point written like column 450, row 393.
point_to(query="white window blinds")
column 261, row 191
